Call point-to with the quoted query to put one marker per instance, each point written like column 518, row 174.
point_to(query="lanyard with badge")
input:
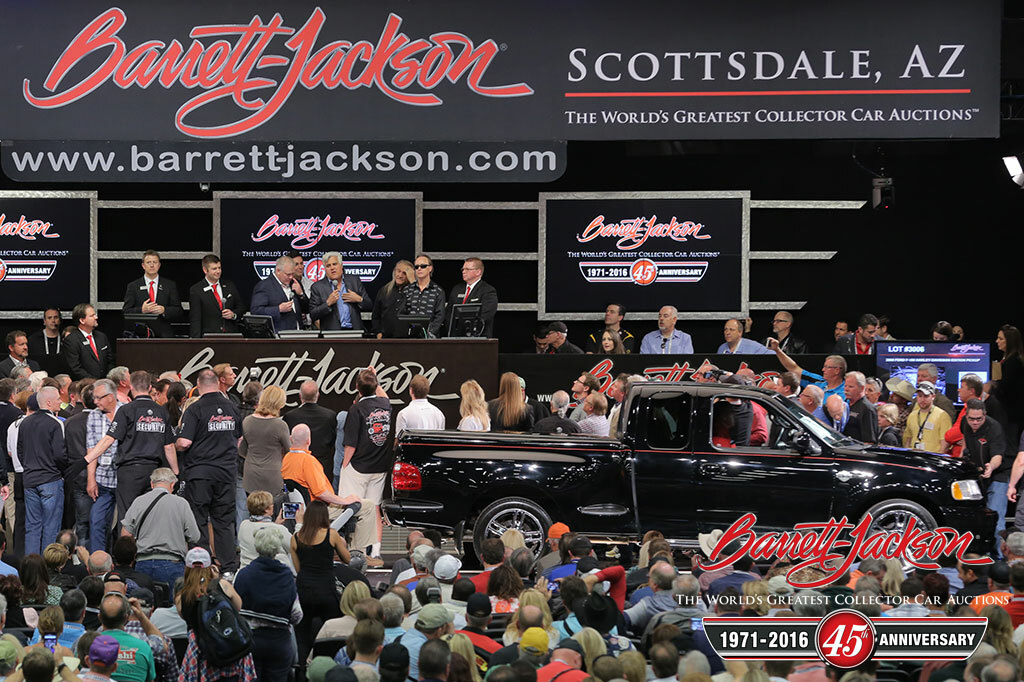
column 919, row 445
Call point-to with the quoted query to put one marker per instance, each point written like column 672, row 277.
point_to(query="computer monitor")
column 299, row 334
column 466, row 321
column 140, row 325
column 343, row 334
column 413, row 326
column 258, row 326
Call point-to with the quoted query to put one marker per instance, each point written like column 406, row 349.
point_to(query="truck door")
column 665, row 475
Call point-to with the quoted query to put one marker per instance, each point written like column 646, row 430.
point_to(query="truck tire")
column 894, row 515
column 524, row 515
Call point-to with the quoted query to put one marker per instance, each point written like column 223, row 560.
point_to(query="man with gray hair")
column 42, row 454
column 666, row 339
column 101, row 475
column 687, row 604
column 392, row 610
column 833, row 372
column 164, row 528
column 694, row 662
column 337, row 299
column 865, row 427
column 557, row 422
column 281, row 296
column 999, row 670
column 122, row 380
column 929, row 372
column 662, row 577
column 811, row 399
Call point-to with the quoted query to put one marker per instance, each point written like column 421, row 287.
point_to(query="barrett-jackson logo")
column 365, row 270
column 26, row 229
column 27, row 270
column 307, row 232
column 633, row 232
column 291, row 370
column 239, row 71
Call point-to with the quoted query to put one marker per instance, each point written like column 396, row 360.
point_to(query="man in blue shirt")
column 735, row 344
column 832, row 379
column 73, row 605
column 666, row 339
column 579, row 548
column 434, row 622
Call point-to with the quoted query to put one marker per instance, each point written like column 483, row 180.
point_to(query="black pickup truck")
column 666, row 473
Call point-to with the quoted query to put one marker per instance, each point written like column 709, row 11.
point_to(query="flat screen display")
column 953, row 360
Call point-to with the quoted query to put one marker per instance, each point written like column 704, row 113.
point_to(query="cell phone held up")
column 289, row 510
column 50, row 642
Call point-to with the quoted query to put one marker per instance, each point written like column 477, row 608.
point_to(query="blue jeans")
column 996, row 501
column 100, row 518
column 44, row 509
column 162, row 570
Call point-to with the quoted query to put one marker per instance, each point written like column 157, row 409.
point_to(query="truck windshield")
column 824, row 433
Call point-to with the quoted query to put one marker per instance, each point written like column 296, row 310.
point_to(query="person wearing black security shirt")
column 476, row 290
column 17, row 348
column 613, row 316
column 87, row 351
column 210, row 430
column 368, row 453
column 47, row 341
column 153, row 294
column 144, row 438
column 985, row 448
column 214, row 304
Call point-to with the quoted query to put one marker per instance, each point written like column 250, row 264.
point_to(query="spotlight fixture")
column 1013, row 167
column 883, row 193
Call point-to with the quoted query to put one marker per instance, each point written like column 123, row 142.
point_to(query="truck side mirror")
column 803, row 443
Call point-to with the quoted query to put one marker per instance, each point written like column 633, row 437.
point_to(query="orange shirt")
column 303, row 468
column 983, row 600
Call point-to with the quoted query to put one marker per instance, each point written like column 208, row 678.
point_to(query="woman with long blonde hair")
column 463, row 645
column 384, row 321
column 473, row 409
column 531, row 597
column 509, row 411
column 1000, row 629
column 593, row 646
column 265, row 442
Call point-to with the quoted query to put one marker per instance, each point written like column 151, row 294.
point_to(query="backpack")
column 223, row 636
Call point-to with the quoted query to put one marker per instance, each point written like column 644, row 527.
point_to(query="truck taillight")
column 406, row 477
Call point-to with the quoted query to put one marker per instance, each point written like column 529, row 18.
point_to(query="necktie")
column 152, row 292
column 466, row 297
column 92, row 344
column 344, row 314
column 216, row 295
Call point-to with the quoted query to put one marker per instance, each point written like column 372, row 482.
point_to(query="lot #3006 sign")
column 371, row 235
column 644, row 253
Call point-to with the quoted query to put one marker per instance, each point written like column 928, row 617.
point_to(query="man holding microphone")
column 281, row 296
column 337, row 299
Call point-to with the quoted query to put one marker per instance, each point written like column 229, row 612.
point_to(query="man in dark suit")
column 88, row 352
column 214, row 304
column 862, row 341
column 75, row 481
column 281, row 297
column 325, row 294
column 153, row 294
column 17, row 348
column 478, row 291
column 322, row 423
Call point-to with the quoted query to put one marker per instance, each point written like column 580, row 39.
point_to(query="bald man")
column 322, row 423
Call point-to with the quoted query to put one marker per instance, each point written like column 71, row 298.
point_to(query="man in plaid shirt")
column 102, row 476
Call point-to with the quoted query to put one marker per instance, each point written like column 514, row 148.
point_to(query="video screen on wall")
column 643, row 253
column 44, row 252
column 371, row 235
column 953, row 360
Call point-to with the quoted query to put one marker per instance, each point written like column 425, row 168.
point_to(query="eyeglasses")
column 779, row 321
column 421, row 266
column 101, row 397
column 975, row 419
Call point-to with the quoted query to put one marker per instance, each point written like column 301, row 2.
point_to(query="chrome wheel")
column 513, row 513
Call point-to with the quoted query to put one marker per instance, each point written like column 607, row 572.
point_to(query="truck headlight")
column 966, row 490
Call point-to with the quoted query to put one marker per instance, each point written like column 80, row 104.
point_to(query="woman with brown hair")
column 509, row 411
column 503, row 587
column 51, row 622
column 314, row 547
column 265, row 442
column 384, row 321
column 611, row 343
column 473, row 408
column 35, row 580
column 1010, row 387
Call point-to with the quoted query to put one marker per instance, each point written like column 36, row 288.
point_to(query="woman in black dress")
column 314, row 547
column 1010, row 388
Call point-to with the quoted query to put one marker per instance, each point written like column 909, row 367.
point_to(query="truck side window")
column 668, row 424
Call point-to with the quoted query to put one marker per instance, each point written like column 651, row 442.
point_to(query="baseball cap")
column 926, row 387
column 447, row 567
column 558, row 327
column 144, row 595
column 197, row 556
column 478, row 605
column 394, row 656
column 570, row 643
column 433, row 616
column 587, row 564
column 104, row 649
column 779, row 585
column 114, row 577
column 9, row 653
column 419, row 555
column 341, row 673
column 557, row 530
column 535, row 641
column 318, row 668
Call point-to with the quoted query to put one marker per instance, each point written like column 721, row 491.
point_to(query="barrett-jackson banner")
column 44, row 251
column 372, row 235
column 495, row 71
column 334, row 365
column 642, row 252
column 545, row 374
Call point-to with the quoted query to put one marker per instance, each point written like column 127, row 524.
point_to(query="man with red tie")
column 214, row 304
column 153, row 294
column 476, row 290
column 88, row 352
